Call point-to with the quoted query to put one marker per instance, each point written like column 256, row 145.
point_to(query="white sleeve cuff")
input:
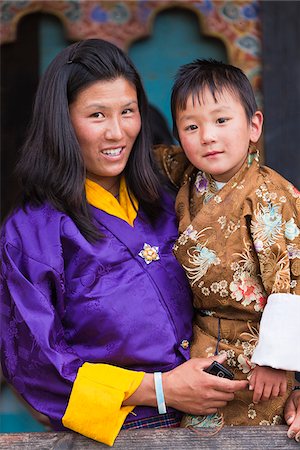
column 279, row 333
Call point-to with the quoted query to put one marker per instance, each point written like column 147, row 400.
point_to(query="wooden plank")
column 229, row 438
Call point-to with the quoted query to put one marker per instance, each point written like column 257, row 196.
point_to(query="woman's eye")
column 127, row 111
column 97, row 115
column 222, row 120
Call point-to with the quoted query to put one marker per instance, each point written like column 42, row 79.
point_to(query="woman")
column 93, row 299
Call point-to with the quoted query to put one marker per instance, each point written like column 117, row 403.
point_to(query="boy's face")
column 215, row 136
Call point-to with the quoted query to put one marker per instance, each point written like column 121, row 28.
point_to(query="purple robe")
column 66, row 301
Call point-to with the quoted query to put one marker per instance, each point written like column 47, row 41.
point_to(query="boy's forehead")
column 206, row 94
column 219, row 93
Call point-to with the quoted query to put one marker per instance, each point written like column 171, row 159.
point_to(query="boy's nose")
column 207, row 135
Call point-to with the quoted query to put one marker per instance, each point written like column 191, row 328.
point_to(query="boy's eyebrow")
column 222, row 108
column 218, row 109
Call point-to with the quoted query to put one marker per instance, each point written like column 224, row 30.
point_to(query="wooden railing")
column 233, row 438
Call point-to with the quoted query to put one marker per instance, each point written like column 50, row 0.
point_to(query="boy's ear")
column 256, row 126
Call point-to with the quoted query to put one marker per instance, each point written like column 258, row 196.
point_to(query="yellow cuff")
column 95, row 405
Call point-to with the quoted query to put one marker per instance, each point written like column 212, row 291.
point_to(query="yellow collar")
column 99, row 197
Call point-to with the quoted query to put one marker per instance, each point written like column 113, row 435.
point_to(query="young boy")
column 239, row 239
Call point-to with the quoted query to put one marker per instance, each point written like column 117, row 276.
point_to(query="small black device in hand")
column 219, row 371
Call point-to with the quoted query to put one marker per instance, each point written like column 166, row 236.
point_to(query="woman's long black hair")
column 51, row 166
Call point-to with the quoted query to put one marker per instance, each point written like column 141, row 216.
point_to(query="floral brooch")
column 149, row 253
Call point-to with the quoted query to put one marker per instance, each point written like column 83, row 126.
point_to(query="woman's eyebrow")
column 103, row 106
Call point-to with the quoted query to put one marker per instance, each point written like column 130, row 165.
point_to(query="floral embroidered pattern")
column 205, row 185
column 268, row 224
column 291, row 230
column 293, row 251
column 201, row 183
column 231, row 226
column 246, row 290
column 202, row 259
column 246, row 287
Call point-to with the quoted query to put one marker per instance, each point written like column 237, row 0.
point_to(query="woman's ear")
column 256, row 126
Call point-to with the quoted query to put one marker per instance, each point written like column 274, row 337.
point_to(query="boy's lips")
column 213, row 153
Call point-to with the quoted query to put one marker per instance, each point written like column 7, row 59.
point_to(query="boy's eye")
column 222, row 120
column 191, row 127
column 127, row 111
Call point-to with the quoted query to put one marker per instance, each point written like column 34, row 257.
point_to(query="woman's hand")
column 191, row 390
column 292, row 415
column 267, row 383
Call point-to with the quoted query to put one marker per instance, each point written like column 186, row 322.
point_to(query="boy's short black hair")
column 193, row 78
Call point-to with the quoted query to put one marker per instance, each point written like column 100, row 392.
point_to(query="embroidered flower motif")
column 223, row 284
column 234, row 266
column 259, row 245
column 230, row 353
column 210, row 351
column 201, row 183
column 231, row 362
column 231, row 228
column 183, row 238
column 276, row 270
column 248, row 349
column 266, row 197
column 205, row 291
column 293, row 251
column 264, row 422
column 251, row 413
column 189, row 233
column 277, row 420
column 214, row 287
column 222, row 221
column 218, row 199
column 291, row 230
column 267, row 226
column 223, row 293
column 293, row 284
column 295, row 193
column 282, row 199
column 202, row 258
column 246, row 291
column 149, row 253
column 244, row 364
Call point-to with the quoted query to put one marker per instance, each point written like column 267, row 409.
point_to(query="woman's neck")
column 110, row 184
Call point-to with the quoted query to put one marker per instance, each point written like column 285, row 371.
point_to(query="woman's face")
column 107, row 121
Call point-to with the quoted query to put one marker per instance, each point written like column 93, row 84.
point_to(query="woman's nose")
column 114, row 130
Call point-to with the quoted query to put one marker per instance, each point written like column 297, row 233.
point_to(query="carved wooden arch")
column 236, row 23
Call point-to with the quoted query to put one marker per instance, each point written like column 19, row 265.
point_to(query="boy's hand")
column 292, row 415
column 267, row 383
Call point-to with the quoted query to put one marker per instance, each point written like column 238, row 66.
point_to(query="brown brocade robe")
column 237, row 245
